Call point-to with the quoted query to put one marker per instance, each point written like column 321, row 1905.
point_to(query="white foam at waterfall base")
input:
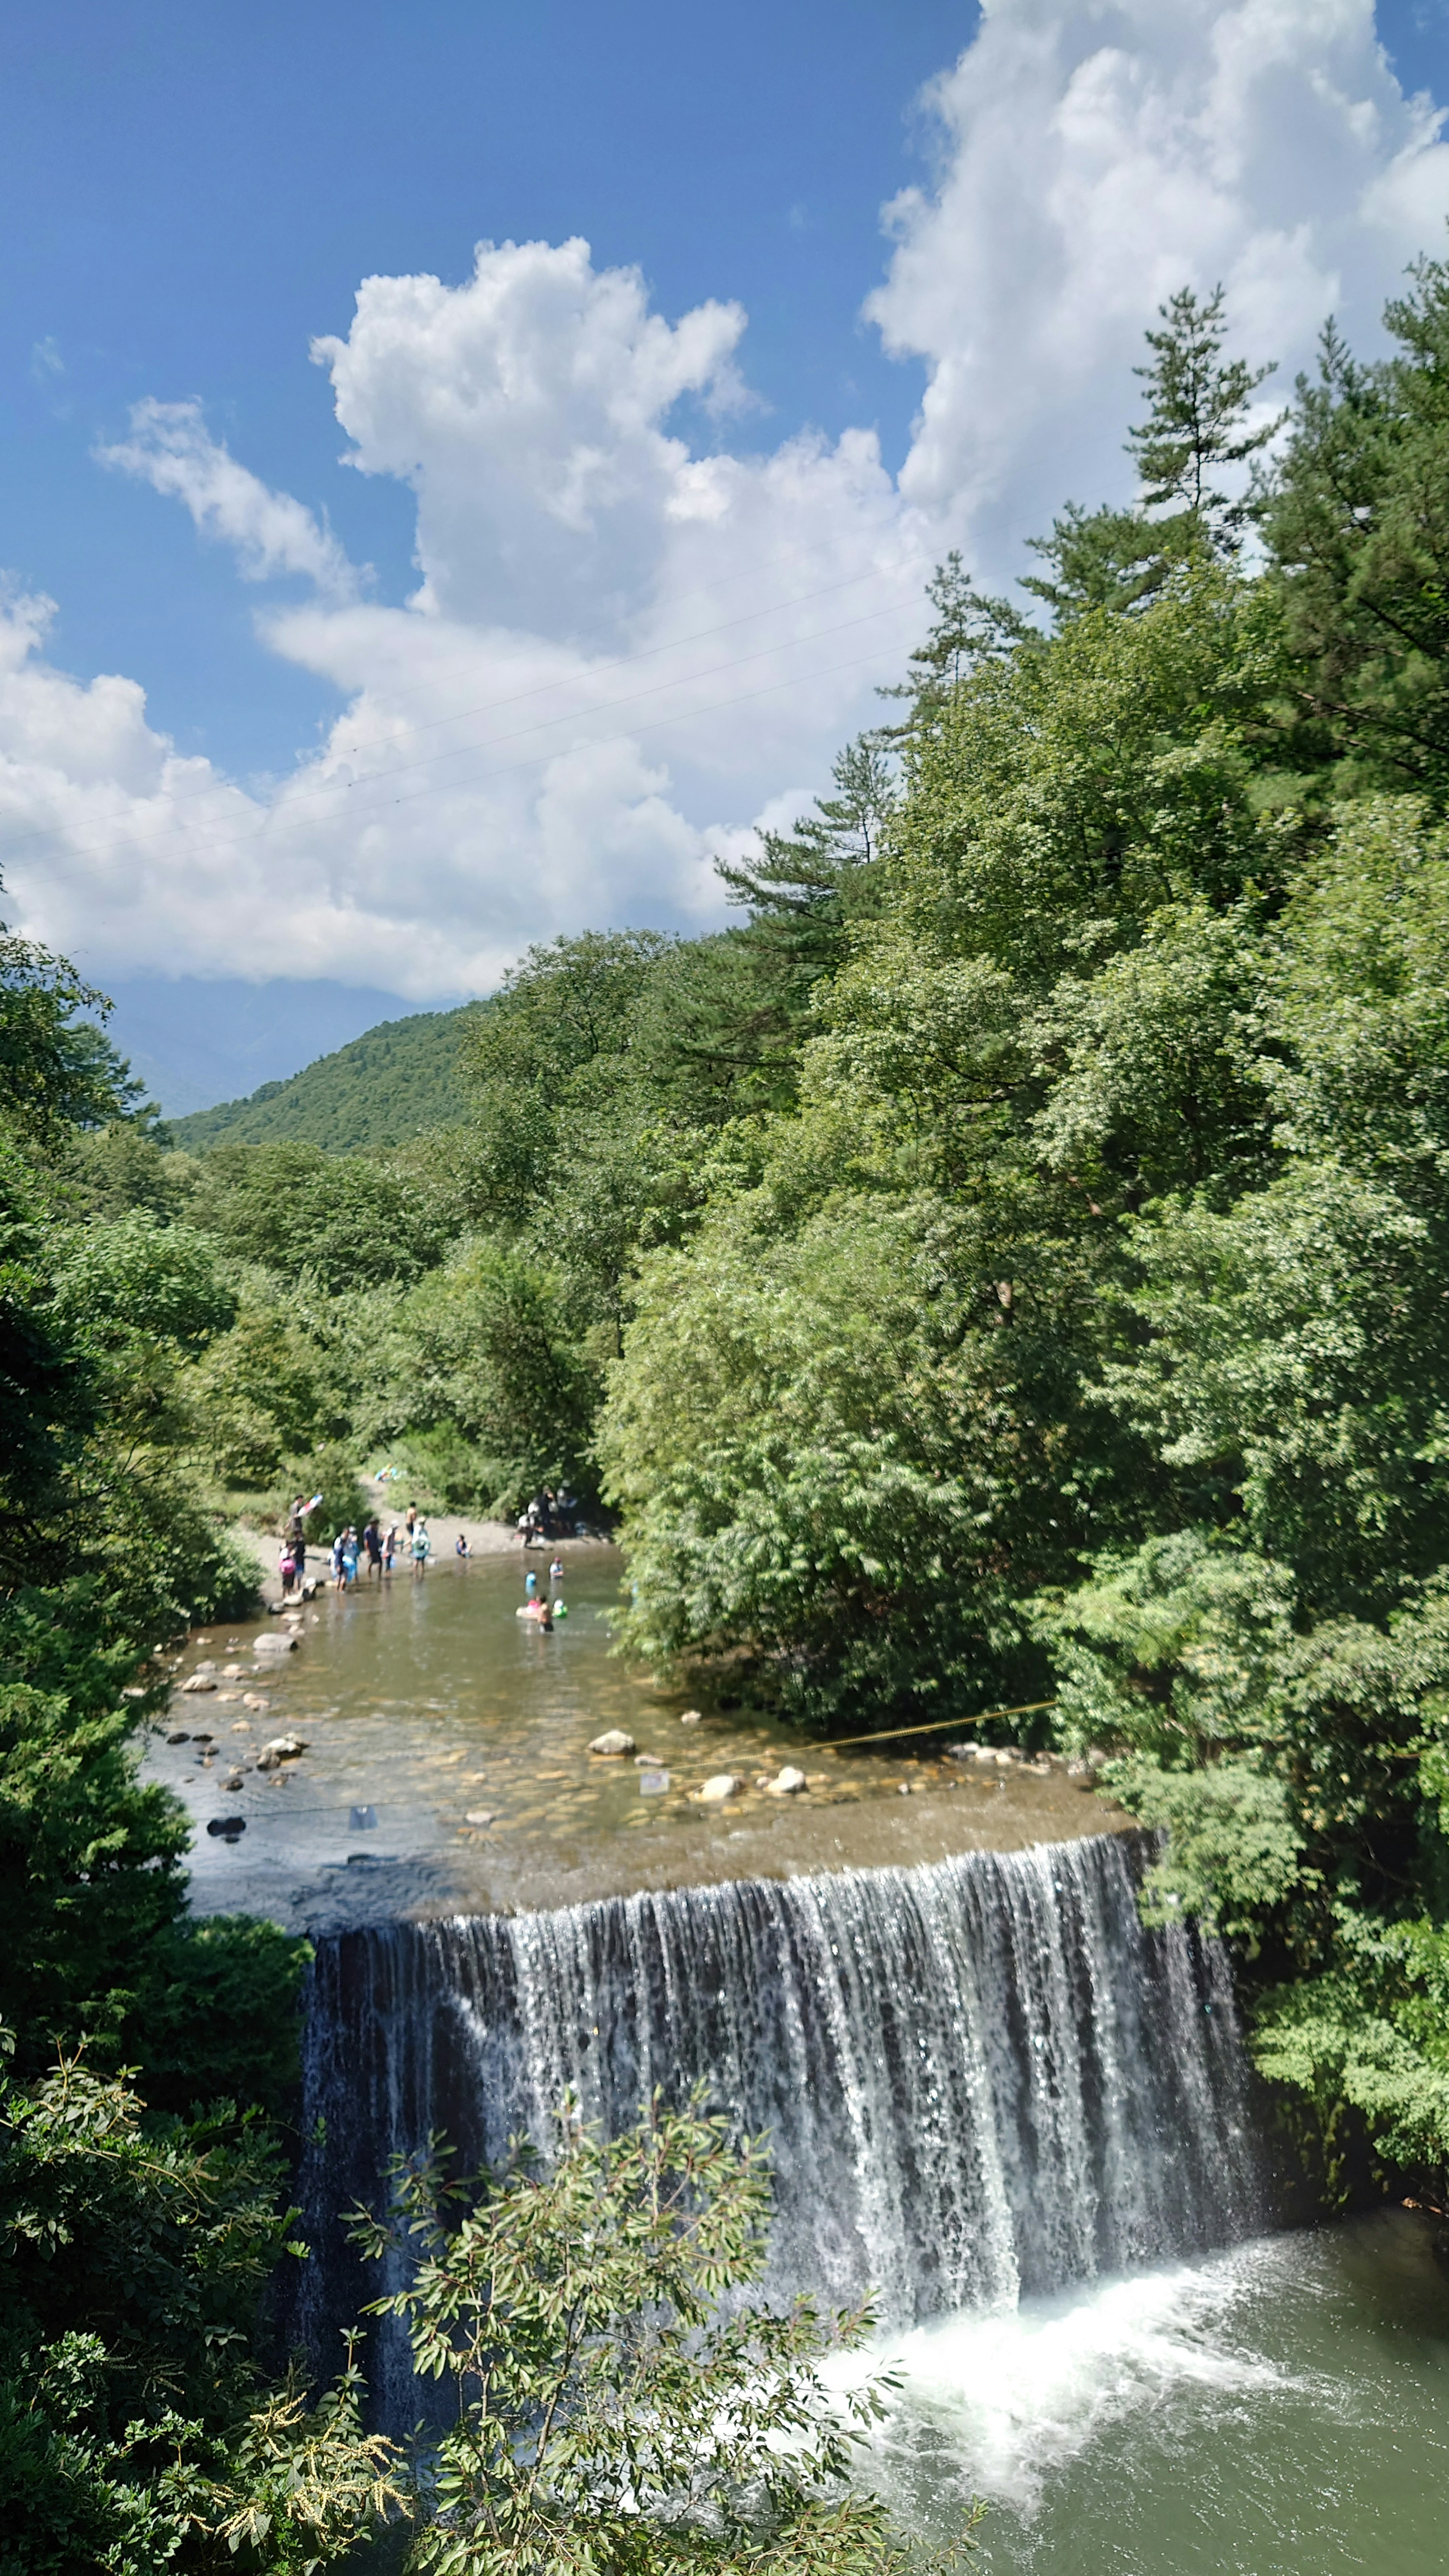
column 1000, row 2402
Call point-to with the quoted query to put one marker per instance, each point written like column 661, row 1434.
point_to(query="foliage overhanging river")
column 996, row 2100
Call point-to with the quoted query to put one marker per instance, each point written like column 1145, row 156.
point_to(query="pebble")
column 234, row 1783
column 613, row 1744
column 722, row 1785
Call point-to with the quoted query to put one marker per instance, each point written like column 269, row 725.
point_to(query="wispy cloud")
column 171, row 448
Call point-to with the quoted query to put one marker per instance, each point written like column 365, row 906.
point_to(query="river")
column 996, row 2100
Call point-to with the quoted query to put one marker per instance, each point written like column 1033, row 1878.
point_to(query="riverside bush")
column 618, row 2409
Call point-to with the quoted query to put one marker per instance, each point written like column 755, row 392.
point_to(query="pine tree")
column 803, row 885
column 1196, row 422
column 969, row 628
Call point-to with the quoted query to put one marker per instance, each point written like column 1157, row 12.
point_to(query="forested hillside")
column 395, row 1081
column 1011, row 1265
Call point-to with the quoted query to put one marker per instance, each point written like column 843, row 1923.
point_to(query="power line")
column 279, row 813
column 621, row 662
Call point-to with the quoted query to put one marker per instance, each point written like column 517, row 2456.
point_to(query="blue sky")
column 190, row 197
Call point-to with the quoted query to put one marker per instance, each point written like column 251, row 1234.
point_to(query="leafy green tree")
column 494, row 1352
column 49, row 1395
column 57, row 1072
column 134, row 2431
column 803, row 886
column 1357, row 521
column 343, row 1220
column 618, row 2404
column 969, row 628
column 124, row 1165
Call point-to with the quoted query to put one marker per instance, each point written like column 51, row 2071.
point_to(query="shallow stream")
column 426, row 1703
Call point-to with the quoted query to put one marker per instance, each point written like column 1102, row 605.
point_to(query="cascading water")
column 982, row 2077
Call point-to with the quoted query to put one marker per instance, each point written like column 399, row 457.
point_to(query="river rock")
column 198, row 1682
column 613, row 1745
column 275, row 1641
column 234, row 1784
column 285, row 1748
column 692, row 1717
column 787, row 1782
column 180, row 1737
column 232, row 1672
column 228, row 1827
column 478, row 1816
column 254, row 1699
column 722, row 1785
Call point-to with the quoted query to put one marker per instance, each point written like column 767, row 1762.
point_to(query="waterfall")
column 981, row 2077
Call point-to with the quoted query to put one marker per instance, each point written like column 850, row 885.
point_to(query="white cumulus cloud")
column 630, row 641
column 1093, row 158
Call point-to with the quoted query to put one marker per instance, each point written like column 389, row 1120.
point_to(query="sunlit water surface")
column 436, row 1721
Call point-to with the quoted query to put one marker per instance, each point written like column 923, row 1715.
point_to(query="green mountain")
column 393, row 1082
